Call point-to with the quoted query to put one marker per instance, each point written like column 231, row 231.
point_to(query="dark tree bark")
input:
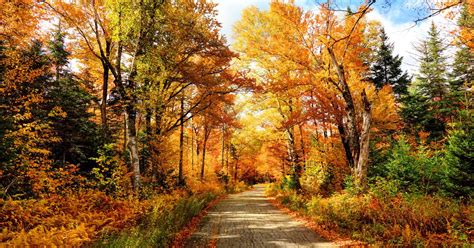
column 236, row 168
column 223, row 146
column 105, row 91
column 207, row 132
column 355, row 144
column 303, row 151
column 181, row 145
column 294, row 158
column 103, row 104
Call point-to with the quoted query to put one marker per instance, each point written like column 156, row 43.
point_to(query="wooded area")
column 116, row 113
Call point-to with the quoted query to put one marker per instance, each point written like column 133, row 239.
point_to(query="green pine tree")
column 461, row 79
column 59, row 55
column 459, row 156
column 386, row 68
column 415, row 112
column 77, row 132
column 427, row 106
column 433, row 71
column 25, row 133
column 462, row 75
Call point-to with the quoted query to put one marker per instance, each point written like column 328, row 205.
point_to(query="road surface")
column 248, row 219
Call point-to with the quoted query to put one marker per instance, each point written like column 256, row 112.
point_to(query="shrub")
column 288, row 182
column 385, row 217
column 236, row 187
column 417, row 172
column 318, row 179
column 108, row 174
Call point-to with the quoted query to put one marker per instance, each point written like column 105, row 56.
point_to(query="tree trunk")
column 303, row 152
column 227, row 160
column 192, row 149
column 63, row 161
column 294, row 158
column 350, row 133
column 362, row 163
column 158, row 118
column 181, row 145
column 207, row 133
column 125, row 141
column 346, row 145
column 103, row 104
column 146, row 143
column 198, row 151
column 223, row 146
column 203, row 162
column 355, row 144
column 157, row 150
column 236, row 171
column 133, row 145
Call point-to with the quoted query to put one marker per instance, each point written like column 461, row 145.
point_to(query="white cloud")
column 407, row 35
column 229, row 12
column 404, row 35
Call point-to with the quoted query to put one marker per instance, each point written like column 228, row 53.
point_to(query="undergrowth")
column 158, row 228
column 93, row 218
column 378, row 217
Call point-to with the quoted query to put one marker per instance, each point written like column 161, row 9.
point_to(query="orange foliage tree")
column 312, row 62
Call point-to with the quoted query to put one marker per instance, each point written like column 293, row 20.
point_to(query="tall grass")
column 159, row 227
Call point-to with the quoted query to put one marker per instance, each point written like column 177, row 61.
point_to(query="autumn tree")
column 193, row 68
column 263, row 38
column 315, row 47
column 90, row 21
column 25, row 129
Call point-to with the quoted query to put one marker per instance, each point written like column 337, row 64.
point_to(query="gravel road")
column 248, row 219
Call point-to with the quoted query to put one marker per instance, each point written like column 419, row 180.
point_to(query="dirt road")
column 248, row 219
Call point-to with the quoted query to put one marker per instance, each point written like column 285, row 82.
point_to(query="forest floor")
column 249, row 219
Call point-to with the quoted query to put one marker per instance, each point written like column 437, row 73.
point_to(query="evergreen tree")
column 25, row 134
column 59, row 55
column 386, row 68
column 461, row 79
column 74, row 126
column 433, row 66
column 415, row 111
column 462, row 75
column 427, row 107
column 460, row 156
column 459, row 149
column 5, row 120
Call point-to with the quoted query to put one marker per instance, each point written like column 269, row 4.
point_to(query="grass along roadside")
column 181, row 237
column 171, row 223
column 326, row 233
column 160, row 227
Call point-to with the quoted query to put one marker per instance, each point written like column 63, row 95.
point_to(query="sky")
column 398, row 19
